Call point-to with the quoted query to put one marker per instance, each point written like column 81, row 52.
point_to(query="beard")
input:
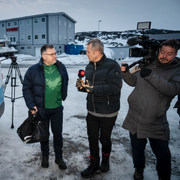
column 164, row 61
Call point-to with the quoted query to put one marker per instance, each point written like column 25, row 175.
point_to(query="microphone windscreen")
column 81, row 73
column 132, row 41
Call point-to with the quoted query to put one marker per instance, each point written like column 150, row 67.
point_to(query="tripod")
column 12, row 72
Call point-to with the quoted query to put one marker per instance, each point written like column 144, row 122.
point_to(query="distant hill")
column 116, row 38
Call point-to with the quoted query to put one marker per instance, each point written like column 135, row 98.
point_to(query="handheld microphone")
column 81, row 74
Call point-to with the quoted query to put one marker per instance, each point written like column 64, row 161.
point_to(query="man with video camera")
column 156, row 84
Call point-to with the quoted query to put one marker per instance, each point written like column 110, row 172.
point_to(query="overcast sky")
column 115, row 15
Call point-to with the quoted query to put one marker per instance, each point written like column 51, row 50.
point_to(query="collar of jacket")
column 101, row 61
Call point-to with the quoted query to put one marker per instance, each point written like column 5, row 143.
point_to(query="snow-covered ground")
column 19, row 161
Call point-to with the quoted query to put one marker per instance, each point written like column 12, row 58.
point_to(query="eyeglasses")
column 53, row 54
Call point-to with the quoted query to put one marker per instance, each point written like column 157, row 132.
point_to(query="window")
column 28, row 21
column 22, row 47
column 15, row 23
column 65, row 37
column 2, row 24
column 13, row 38
column 9, row 24
column 21, row 22
column 43, row 36
column 70, row 38
column 64, row 23
column 29, row 47
column 22, row 37
column 43, row 19
column 36, row 20
column 29, row 37
column 36, row 36
column 59, row 22
column 69, row 24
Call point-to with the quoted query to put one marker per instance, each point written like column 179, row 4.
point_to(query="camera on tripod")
column 149, row 47
column 11, row 56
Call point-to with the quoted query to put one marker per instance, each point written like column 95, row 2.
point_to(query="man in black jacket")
column 103, row 84
column 44, row 88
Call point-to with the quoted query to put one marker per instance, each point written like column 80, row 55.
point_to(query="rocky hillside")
column 116, row 38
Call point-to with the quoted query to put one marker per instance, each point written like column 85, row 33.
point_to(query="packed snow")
column 21, row 161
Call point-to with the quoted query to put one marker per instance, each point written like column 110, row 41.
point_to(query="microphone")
column 133, row 41
column 81, row 74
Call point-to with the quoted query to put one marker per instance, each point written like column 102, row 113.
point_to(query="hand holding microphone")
column 79, row 81
column 81, row 85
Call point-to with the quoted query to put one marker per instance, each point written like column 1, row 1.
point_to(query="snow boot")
column 105, row 162
column 92, row 169
column 45, row 162
column 61, row 164
column 138, row 174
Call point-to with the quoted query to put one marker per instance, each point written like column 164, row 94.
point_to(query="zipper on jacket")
column 93, row 85
column 108, row 100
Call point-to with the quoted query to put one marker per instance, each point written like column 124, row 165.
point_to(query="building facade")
column 29, row 33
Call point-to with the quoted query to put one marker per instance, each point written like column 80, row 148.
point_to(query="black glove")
column 145, row 72
column 88, row 87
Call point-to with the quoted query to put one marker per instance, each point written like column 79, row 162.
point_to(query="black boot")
column 138, row 174
column 45, row 162
column 92, row 169
column 61, row 163
column 105, row 162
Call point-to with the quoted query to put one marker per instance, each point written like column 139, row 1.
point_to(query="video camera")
column 150, row 47
column 10, row 55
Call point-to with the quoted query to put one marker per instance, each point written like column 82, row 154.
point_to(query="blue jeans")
column 160, row 149
column 56, row 117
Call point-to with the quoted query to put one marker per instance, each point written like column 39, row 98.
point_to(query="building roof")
column 38, row 15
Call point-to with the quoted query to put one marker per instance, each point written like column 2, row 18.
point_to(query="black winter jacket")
column 34, row 85
column 105, row 76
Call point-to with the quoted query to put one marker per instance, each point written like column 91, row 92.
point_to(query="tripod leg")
column 8, row 76
column 19, row 73
column 13, row 86
column 12, row 125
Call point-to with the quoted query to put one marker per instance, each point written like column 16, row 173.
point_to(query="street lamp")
column 99, row 26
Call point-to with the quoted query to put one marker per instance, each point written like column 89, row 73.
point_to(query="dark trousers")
column 160, row 149
column 102, row 126
column 56, row 117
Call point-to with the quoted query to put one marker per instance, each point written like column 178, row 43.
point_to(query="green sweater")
column 53, row 84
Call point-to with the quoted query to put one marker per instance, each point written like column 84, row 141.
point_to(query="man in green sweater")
column 44, row 88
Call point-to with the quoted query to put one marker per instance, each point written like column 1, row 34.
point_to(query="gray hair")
column 97, row 45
